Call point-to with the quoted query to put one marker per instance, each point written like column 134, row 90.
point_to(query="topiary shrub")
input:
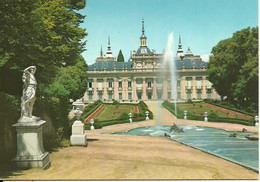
column 115, row 103
column 189, row 101
column 123, row 116
column 213, row 115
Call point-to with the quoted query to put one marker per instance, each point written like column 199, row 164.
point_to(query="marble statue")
column 28, row 97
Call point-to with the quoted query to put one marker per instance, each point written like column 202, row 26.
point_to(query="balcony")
column 188, row 87
column 90, row 89
column 109, row 88
column 198, row 87
column 149, row 88
column 139, row 87
column 99, row 88
column 120, row 88
column 129, row 88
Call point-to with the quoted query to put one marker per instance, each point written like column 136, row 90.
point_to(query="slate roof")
column 109, row 65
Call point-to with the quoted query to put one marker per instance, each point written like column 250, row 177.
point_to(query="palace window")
column 90, row 95
column 110, row 95
column 149, row 84
column 139, row 95
column 100, row 95
column 120, row 84
column 209, row 93
column 129, row 96
column 89, row 84
column 198, row 94
column 169, row 95
column 129, row 84
column 110, row 84
column 179, row 95
column 188, row 94
column 120, row 96
column 178, row 83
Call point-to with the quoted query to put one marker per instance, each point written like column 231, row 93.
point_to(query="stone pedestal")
column 78, row 136
column 30, row 151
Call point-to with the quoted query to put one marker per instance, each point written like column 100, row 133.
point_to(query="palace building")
column 144, row 78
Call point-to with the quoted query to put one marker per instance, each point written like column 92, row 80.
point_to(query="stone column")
column 154, row 89
column 95, row 97
column 183, row 87
column 115, row 89
column 124, row 88
column 194, row 95
column 165, row 89
column 144, row 97
column 105, row 96
column 204, row 95
column 134, row 90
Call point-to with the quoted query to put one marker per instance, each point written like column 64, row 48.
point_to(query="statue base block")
column 41, row 161
column 78, row 140
column 30, row 151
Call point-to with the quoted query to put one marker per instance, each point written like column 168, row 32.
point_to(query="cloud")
column 205, row 58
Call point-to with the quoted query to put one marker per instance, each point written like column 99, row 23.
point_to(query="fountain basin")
column 237, row 149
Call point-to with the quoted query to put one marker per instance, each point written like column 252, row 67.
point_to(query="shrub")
column 123, row 116
column 135, row 115
column 189, row 101
column 115, row 103
column 213, row 115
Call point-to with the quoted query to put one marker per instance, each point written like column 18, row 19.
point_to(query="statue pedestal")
column 30, row 151
column 78, row 136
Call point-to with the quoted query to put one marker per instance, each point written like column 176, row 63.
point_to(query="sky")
column 200, row 23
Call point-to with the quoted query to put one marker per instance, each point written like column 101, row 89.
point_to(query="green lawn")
column 198, row 109
column 109, row 112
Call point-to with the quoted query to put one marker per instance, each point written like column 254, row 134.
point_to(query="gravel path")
column 138, row 157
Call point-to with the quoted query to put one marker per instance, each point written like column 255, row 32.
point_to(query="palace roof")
column 113, row 65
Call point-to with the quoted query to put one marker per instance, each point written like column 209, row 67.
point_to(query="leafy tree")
column 233, row 67
column 120, row 57
column 70, row 82
column 44, row 33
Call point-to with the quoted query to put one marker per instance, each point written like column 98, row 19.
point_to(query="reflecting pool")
column 237, row 149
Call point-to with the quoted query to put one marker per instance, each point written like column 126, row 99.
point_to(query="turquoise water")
column 215, row 141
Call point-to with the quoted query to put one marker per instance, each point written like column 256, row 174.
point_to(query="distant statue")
column 174, row 128
column 233, row 134
column 244, row 130
column 29, row 91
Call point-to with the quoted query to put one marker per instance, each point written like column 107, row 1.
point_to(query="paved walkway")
column 138, row 157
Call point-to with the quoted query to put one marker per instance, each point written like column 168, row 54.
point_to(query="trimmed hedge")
column 180, row 115
column 229, row 107
column 124, row 119
column 90, row 109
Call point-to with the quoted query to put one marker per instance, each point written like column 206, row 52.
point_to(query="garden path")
column 124, row 157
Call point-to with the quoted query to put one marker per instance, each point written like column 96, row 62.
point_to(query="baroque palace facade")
column 144, row 78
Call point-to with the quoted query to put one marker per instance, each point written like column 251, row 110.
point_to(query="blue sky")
column 201, row 24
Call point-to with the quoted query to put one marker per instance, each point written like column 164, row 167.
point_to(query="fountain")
column 169, row 60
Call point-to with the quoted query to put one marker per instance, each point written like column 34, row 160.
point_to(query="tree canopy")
column 44, row 33
column 120, row 57
column 233, row 67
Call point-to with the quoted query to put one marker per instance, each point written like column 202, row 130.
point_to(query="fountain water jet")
column 169, row 60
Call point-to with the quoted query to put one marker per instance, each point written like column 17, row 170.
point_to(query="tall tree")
column 233, row 67
column 120, row 57
column 44, row 33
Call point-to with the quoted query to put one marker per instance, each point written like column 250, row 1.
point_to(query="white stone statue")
column 28, row 97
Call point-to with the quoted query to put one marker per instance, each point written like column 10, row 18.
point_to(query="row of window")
column 149, row 84
column 149, row 95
